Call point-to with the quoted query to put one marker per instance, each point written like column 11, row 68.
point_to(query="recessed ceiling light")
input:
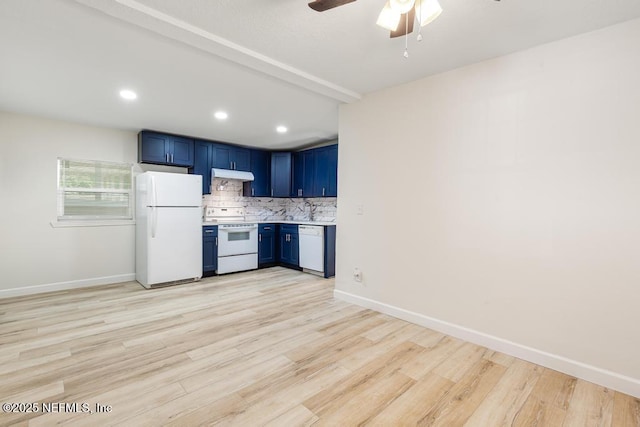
column 281, row 129
column 221, row 115
column 127, row 94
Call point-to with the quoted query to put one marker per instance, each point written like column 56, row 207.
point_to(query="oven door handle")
column 238, row 229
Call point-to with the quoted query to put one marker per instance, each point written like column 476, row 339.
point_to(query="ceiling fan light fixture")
column 427, row 11
column 388, row 18
column 401, row 6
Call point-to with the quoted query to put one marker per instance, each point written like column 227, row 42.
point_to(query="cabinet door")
column 202, row 164
column 284, row 248
column 266, row 247
column 209, row 249
column 181, row 151
column 332, row 171
column 309, row 164
column 321, row 173
column 221, row 156
column 297, row 175
column 153, row 148
column 241, row 159
column 261, row 169
column 326, row 172
column 280, row 174
column 164, row 149
column 294, row 249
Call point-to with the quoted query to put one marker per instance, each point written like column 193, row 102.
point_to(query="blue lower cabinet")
column 266, row 244
column 209, row 249
column 329, row 251
column 288, row 245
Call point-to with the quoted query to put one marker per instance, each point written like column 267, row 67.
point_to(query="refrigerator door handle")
column 154, row 193
column 154, row 209
column 154, row 221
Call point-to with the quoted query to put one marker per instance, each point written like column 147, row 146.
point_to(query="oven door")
column 237, row 240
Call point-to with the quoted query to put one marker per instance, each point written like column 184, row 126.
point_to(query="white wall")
column 504, row 197
column 34, row 256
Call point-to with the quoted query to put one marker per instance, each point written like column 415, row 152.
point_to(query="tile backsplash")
column 228, row 192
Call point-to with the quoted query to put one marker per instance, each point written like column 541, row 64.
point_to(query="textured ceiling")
column 265, row 62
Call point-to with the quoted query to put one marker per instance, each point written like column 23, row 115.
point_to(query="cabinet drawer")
column 210, row 231
column 266, row 228
column 289, row 228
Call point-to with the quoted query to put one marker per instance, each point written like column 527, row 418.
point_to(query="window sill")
column 91, row 223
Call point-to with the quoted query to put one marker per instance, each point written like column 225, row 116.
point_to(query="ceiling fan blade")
column 322, row 5
column 402, row 26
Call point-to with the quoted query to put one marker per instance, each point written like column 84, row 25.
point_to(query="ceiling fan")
column 397, row 16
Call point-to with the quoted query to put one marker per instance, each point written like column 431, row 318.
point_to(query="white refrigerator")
column 168, row 228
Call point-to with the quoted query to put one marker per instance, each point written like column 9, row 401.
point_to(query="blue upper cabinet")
column 309, row 161
column 315, row 172
column 280, row 174
column 202, row 163
column 208, row 155
column 231, row 157
column 325, row 181
column 297, row 175
column 261, row 169
column 241, row 158
column 303, row 174
column 164, row 149
column 332, row 189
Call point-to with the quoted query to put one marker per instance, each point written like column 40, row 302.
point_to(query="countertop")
column 271, row 222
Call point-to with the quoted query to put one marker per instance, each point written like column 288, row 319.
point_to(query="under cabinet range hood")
column 231, row 174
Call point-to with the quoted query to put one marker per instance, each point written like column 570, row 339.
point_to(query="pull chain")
column 406, row 35
column 419, row 38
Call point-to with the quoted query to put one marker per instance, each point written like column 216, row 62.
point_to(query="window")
column 94, row 190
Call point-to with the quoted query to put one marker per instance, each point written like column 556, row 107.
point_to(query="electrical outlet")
column 357, row 275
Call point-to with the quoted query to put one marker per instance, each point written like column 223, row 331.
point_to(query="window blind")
column 89, row 189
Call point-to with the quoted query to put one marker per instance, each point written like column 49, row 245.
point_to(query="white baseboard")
column 63, row 286
column 604, row 377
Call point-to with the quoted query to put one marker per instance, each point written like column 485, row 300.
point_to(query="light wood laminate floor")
column 269, row 347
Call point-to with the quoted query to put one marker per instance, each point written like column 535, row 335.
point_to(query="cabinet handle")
column 171, row 157
column 208, row 231
column 253, row 191
column 216, row 240
column 166, row 156
column 267, row 228
column 272, row 192
column 322, row 191
column 299, row 192
column 259, row 237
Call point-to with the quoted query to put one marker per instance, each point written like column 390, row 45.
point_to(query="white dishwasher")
column 311, row 247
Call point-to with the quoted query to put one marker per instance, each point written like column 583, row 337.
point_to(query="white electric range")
column 237, row 239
